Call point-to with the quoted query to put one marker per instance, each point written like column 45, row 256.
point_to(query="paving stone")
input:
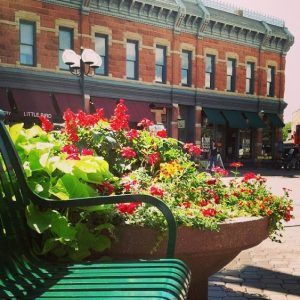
column 212, row 293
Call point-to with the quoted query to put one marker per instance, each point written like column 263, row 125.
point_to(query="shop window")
column 267, row 144
column 250, row 78
column 245, row 144
column 210, row 72
column 186, row 62
column 101, row 47
column 65, row 42
column 231, row 71
column 271, row 81
column 27, row 43
column 132, row 60
column 160, row 64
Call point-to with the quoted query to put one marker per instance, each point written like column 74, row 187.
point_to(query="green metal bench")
column 23, row 275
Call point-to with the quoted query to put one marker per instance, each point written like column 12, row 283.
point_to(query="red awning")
column 139, row 110
column 4, row 104
column 32, row 104
column 107, row 104
column 65, row 101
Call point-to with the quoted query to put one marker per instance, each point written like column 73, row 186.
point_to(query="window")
column 250, row 78
column 132, row 60
column 210, row 72
column 231, row 75
column 160, row 64
column 271, row 81
column 186, row 68
column 27, row 43
column 101, row 47
column 65, row 42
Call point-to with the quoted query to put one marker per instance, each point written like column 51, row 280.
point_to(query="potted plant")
column 91, row 156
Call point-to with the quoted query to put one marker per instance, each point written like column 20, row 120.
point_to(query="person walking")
column 213, row 155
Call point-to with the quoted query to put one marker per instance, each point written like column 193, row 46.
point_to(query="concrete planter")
column 204, row 251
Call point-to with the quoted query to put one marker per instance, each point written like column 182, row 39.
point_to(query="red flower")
column 69, row 149
column 155, row 191
column 186, row 204
column 209, row 212
column 73, row 156
column 192, row 149
column 132, row 134
column 236, row 164
column 249, row 176
column 153, row 158
column 46, row 124
column 203, row 203
column 211, row 181
column 145, row 123
column 120, row 118
column 128, row 185
column 220, row 171
column 105, row 188
column 128, row 152
column 86, row 152
column 127, row 208
column 162, row 133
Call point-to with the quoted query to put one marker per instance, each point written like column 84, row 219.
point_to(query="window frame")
column 104, row 58
column 189, row 69
column 136, row 61
column 232, row 76
column 163, row 66
column 211, row 74
column 251, row 78
column 271, row 84
column 71, row 31
column 33, row 24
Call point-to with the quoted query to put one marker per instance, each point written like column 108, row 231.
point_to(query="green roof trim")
column 235, row 119
column 254, row 120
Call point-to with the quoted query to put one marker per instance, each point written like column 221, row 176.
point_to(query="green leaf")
column 49, row 244
column 69, row 186
column 63, row 229
column 34, row 131
column 37, row 220
column 101, row 243
column 66, row 166
column 15, row 131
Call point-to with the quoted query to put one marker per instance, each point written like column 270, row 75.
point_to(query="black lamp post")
column 82, row 65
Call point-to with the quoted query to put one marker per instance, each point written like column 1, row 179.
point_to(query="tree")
column 286, row 130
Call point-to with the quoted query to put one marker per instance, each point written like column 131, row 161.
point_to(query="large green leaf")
column 69, row 186
column 63, row 229
column 34, row 131
column 15, row 131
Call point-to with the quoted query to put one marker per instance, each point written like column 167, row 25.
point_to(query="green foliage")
column 286, row 130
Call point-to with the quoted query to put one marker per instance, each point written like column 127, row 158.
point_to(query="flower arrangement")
column 93, row 156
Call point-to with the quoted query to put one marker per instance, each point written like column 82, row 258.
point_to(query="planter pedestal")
column 205, row 252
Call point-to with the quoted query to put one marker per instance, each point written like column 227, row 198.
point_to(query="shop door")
column 231, row 144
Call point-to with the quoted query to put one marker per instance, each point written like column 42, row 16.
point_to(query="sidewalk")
column 269, row 270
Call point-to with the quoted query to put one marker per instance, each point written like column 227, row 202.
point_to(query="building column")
column 198, row 121
column 258, row 143
column 174, row 121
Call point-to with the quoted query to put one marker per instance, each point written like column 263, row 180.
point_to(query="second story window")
column 65, row 42
column 27, row 43
column 160, row 64
column 186, row 62
column 231, row 65
column 132, row 60
column 250, row 78
column 271, row 81
column 210, row 72
column 101, row 47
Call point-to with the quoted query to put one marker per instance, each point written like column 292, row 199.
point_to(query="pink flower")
column 128, row 152
column 220, row 171
column 129, row 185
column 69, row 149
column 145, row 123
column 236, row 164
column 192, row 149
column 132, row 134
column 249, row 176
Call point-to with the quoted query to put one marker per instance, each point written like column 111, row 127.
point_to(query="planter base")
column 205, row 252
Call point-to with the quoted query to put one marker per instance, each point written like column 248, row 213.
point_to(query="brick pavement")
column 267, row 271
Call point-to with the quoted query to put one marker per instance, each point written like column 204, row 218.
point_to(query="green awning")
column 275, row 120
column 254, row 120
column 214, row 116
column 235, row 119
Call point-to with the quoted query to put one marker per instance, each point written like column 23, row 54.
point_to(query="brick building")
column 203, row 71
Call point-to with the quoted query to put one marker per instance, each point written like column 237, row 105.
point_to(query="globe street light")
column 82, row 65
